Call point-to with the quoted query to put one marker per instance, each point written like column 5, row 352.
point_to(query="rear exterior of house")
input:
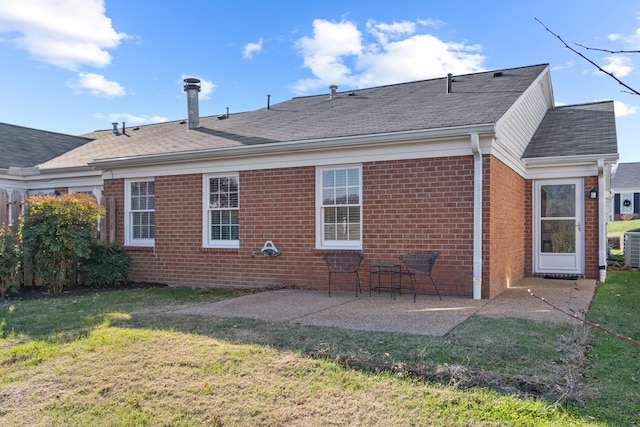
column 625, row 186
column 479, row 167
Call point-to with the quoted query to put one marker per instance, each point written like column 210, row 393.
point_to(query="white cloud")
column 98, row 85
column 623, row 109
column 619, row 66
column 614, row 37
column 568, row 64
column 129, row 118
column 206, row 86
column 384, row 32
column 65, row 33
column 431, row 22
column 339, row 53
column 251, row 48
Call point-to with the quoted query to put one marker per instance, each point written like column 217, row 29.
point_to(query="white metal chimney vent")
column 192, row 87
column 334, row 91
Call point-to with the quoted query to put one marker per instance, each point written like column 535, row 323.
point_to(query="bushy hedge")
column 107, row 266
column 57, row 232
column 10, row 258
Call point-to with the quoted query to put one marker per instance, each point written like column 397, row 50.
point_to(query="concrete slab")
column 427, row 316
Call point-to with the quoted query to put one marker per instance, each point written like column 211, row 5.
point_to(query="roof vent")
column 192, row 87
column 449, row 82
column 497, row 74
column 115, row 128
column 334, row 90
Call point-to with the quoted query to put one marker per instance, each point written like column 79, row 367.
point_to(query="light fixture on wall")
column 593, row 193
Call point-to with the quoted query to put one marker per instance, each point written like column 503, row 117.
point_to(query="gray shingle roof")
column 575, row 130
column 26, row 147
column 478, row 98
column 627, row 176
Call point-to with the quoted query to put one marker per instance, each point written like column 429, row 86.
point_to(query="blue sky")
column 74, row 66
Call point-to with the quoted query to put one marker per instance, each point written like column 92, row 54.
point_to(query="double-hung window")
column 221, row 219
column 339, row 207
column 140, row 209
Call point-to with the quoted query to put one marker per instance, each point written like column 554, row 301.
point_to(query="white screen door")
column 558, row 231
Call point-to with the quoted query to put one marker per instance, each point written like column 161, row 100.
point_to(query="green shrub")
column 57, row 232
column 107, row 266
column 10, row 259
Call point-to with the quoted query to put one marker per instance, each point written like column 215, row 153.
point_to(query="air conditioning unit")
column 632, row 248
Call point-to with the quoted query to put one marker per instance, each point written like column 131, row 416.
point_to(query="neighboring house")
column 625, row 186
column 23, row 150
column 481, row 167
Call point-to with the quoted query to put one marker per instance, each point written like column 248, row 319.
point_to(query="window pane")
column 558, row 201
column 558, row 236
column 328, row 178
column 353, row 177
column 341, row 178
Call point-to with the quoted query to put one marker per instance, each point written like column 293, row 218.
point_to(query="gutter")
column 602, row 224
column 294, row 146
column 477, row 215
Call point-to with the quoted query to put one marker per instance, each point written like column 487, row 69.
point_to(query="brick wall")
column 591, row 257
column 424, row 204
column 504, row 245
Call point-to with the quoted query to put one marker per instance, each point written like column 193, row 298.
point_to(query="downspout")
column 602, row 224
column 477, row 216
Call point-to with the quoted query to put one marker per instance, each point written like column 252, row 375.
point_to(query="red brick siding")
column 528, row 228
column 424, row 204
column 505, row 218
column 591, row 257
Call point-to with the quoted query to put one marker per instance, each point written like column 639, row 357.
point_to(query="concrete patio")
column 427, row 316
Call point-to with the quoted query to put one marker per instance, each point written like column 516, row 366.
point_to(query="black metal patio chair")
column 419, row 264
column 344, row 262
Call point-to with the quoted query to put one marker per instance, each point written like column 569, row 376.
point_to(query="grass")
column 126, row 358
column 622, row 226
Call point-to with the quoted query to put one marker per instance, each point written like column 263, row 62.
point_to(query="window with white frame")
column 140, row 213
column 339, row 207
column 221, row 218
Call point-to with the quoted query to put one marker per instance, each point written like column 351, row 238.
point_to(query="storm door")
column 558, row 230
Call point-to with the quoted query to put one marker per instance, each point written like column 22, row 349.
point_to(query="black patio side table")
column 385, row 269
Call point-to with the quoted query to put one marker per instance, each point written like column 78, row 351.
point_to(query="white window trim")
column 128, row 238
column 321, row 243
column 206, row 222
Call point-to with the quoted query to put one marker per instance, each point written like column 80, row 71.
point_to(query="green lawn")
column 125, row 358
column 622, row 226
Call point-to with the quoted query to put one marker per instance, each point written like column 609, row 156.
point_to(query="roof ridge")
column 425, row 80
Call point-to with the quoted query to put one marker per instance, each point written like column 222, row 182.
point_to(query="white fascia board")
column 580, row 167
column 311, row 156
column 67, row 181
column 625, row 190
column 294, row 146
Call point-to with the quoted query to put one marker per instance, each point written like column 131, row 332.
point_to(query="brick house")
column 481, row 167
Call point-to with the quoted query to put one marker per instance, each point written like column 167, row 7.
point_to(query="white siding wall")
column 516, row 128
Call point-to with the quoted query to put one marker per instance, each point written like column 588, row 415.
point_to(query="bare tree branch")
column 606, row 50
column 631, row 90
column 586, row 322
